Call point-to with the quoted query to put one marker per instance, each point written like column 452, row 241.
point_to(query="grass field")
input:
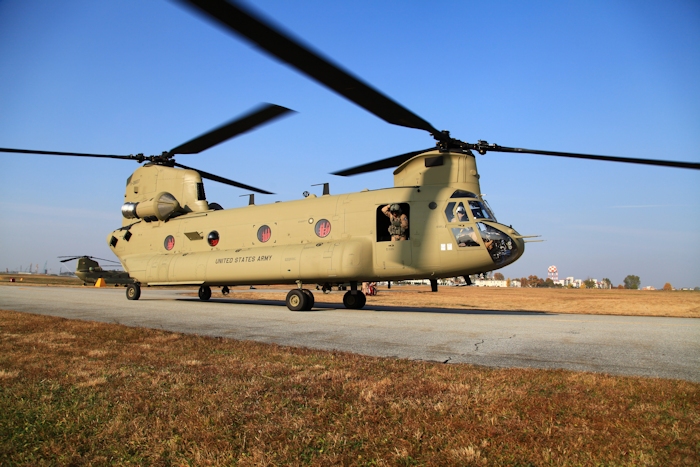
column 83, row 393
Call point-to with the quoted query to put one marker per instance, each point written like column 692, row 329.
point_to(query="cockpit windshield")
column 478, row 206
column 480, row 210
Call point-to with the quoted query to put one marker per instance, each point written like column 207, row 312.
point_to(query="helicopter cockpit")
column 456, row 212
column 502, row 248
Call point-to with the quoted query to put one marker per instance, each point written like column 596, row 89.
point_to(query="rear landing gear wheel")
column 354, row 299
column 133, row 291
column 310, row 298
column 204, row 293
column 297, row 300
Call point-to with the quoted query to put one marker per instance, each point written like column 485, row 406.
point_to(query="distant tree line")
column 630, row 282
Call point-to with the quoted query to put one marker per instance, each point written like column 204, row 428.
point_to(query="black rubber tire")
column 297, row 300
column 133, row 291
column 310, row 298
column 354, row 301
column 204, row 293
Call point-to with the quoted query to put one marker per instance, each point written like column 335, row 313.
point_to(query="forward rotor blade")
column 255, row 118
column 271, row 39
column 69, row 258
column 57, row 153
column 223, row 180
column 629, row 160
column 387, row 163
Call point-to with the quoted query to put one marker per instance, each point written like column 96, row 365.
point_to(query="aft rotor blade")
column 291, row 51
column 630, row 160
column 57, row 153
column 223, row 180
column 387, row 163
column 104, row 259
column 255, row 118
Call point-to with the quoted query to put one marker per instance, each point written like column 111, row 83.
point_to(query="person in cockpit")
column 461, row 214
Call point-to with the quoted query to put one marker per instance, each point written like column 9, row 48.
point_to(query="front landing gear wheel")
column 297, row 300
column 133, row 291
column 354, row 299
column 204, row 293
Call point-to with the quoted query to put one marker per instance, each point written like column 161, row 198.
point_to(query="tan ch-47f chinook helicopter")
column 433, row 223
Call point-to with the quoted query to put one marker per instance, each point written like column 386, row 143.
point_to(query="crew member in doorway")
column 399, row 222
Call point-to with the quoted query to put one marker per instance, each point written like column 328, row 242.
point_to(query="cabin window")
column 264, row 233
column 393, row 224
column 213, row 238
column 169, row 242
column 323, row 228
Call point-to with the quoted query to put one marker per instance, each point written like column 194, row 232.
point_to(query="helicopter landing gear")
column 300, row 299
column 133, row 291
column 354, row 299
column 204, row 293
column 433, row 285
column 310, row 298
column 225, row 290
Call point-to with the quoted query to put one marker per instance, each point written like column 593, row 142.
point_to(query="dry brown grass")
column 40, row 279
column 680, row 304
column 82, row 393
column 684, row 304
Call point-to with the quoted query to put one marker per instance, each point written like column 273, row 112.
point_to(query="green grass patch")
column 82, row 393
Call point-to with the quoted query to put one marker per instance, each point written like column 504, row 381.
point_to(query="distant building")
column 495, row 283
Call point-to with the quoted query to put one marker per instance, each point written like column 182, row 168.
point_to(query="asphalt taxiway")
column 622, row 345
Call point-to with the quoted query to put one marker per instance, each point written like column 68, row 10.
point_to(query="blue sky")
column 610, row 77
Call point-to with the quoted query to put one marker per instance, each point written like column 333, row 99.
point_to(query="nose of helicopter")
column 502, row 242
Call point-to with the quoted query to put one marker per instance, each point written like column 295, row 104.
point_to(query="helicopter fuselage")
column 326, row 239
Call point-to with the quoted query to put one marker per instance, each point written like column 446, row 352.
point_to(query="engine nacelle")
column 161, row 207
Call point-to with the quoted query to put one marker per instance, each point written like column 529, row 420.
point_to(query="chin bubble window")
column 264, row 233
column 501, row 247
column 213, row 238
column 465, row 236
column 323, row 228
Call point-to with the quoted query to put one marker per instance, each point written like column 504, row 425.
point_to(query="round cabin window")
column 169, row 242
column 213, row 238
column 323, row 228
column 264, row 233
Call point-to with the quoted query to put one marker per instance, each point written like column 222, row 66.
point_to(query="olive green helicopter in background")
column 89, row 271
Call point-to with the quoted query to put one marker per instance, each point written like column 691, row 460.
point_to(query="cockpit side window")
column 461, row 213
column 449, row 212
